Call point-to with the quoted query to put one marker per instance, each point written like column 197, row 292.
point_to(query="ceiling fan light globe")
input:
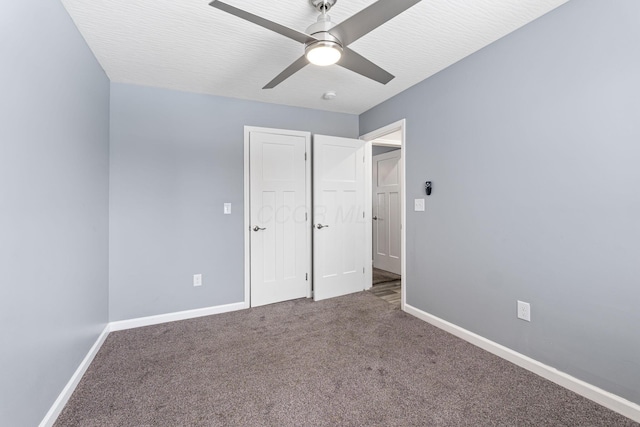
column 323, row 53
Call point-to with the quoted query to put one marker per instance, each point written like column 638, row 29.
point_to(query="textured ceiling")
column 188, row 45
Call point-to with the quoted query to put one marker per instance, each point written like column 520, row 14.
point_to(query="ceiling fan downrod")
column 323, row 6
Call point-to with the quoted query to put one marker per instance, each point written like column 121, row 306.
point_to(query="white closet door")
column 279, row 246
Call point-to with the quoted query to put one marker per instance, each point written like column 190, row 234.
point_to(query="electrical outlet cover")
column 197, row 280
column 524, row 311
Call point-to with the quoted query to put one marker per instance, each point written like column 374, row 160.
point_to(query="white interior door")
column 339, row 241
column 386, row 211
column 278, row 212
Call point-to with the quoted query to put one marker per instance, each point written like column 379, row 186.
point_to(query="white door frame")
column 400, row 125
column 247, row 205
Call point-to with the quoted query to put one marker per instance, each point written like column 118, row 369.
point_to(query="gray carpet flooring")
column 348, row 361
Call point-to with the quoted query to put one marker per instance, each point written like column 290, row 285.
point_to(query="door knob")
column 256, row 228
column 375, row 218
column 320, row 226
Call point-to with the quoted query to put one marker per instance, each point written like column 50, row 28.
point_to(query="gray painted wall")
column 533, row 147
column 175, row 159
column 54, row 124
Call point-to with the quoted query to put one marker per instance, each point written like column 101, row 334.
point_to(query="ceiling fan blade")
column 298, row 65
column 265, row 23
column 361, row 65
column 369, row 19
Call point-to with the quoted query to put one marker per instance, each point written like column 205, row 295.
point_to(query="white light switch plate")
column 227, row 208
column 418, row 205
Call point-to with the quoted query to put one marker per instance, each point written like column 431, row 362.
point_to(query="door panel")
column 380, row 237
column 339, row 225
column 279, row 245
column 394, row 228
column 386, row 211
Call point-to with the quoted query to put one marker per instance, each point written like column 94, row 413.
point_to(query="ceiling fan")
column 325, row 43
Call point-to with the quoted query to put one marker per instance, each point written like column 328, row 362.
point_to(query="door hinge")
column 362, row 214
column 305, row 157
column 362, row 159
column 362, row 270
column 306, row 276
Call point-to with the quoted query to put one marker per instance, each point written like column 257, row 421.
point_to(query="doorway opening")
column 386, row 202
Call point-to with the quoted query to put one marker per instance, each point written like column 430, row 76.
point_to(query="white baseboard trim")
column 68, row 389
column 596, row 394
column 121, row 325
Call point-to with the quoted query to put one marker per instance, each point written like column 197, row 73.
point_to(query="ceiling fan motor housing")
column 323, row 24
column 320, row 31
